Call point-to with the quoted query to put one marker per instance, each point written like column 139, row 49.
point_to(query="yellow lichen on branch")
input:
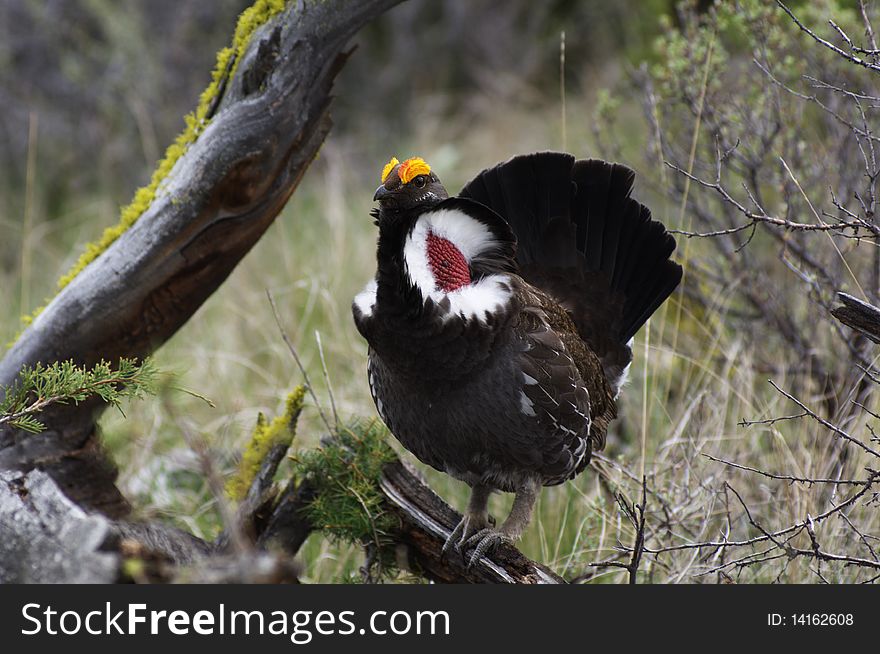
column 265, row 436
column 227, row 62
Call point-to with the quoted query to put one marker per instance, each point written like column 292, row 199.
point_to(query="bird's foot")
column 484, row 542
column 469, row 525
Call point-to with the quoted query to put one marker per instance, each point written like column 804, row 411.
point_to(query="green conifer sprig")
column 63, row 382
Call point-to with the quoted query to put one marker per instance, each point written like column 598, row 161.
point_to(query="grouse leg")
column 520, row 514
column 475, row 519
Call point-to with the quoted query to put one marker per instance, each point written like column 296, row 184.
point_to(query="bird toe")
column 484, row 542
column 466, row 529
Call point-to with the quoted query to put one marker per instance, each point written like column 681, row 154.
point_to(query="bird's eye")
column 420, row 181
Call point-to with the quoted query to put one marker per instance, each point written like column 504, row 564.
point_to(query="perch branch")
column 425, row 523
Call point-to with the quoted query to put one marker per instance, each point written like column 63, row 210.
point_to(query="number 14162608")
column 810, row 620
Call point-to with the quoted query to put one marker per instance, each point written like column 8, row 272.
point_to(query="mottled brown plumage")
column 602, row 406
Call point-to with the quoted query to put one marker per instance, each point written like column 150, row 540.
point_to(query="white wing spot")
column 365, row 301
column 525, row 404
column 622, row 380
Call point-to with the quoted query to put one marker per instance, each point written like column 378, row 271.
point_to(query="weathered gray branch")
column 218, row 200
column 44, row 537
column 861, row 316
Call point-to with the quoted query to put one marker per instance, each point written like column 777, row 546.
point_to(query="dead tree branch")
column 859, row 315
column 218, row 200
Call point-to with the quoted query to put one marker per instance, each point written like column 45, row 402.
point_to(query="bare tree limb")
column 214, row 205
column 859, row 315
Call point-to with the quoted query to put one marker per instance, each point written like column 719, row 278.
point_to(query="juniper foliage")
column 41, row 386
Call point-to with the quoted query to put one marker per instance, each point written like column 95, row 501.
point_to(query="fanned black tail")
column 619, row 240
column 584, row 240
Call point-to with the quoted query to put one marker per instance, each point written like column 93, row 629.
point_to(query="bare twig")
column 828, row 44
column 327, row 379
column 755, row 218
column 773, row 536
column 639, row 524
column 790, row 478
column 834, row 428
column 296, row 358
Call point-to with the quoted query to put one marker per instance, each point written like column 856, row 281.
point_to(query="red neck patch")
column 448, row 264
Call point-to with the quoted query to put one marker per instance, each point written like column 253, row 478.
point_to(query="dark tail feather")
column 579, row 214
column 622, row 242
column 528, row 191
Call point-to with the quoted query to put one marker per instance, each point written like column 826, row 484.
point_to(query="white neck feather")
column 476, row 300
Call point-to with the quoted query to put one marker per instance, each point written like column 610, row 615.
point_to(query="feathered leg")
column 476, row 518
column 520, row 514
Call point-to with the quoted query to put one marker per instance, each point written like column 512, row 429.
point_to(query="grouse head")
column 409, row 185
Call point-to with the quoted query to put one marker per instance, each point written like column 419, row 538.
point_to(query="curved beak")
column 381, row 192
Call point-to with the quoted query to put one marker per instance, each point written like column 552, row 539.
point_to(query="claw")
column 484, row 541
column 467, row 527
column 459, row 530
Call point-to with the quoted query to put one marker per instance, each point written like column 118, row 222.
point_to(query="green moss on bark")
column 227, row 63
